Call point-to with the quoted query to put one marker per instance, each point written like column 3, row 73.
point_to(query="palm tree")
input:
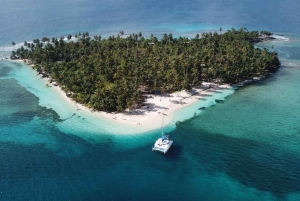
column 108, row 74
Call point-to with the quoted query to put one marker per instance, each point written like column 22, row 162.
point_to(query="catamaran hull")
column 162, row 148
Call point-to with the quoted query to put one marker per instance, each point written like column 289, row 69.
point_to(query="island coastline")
column 149, row 116
column 138, row 94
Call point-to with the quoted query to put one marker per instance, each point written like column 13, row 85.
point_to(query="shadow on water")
column 252, row 163
column 173, row 153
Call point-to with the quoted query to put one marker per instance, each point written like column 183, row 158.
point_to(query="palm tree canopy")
column 112, row 74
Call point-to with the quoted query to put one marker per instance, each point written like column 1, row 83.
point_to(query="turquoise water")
column 243, row 148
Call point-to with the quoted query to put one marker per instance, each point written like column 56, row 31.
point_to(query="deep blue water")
column 28, row 19
column 243, row 148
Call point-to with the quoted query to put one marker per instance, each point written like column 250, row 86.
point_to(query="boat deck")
column 162, row 145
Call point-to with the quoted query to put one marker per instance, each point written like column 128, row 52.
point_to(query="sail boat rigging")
column 163, row 143
column 162, row 124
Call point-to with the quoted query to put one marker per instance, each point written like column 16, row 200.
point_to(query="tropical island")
column 116, row 73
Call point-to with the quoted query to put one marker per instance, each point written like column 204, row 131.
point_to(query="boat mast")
column 162, row 124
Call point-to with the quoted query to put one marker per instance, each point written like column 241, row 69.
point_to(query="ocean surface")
column 246, row 147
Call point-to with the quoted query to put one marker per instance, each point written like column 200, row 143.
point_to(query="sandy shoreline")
column 149, row 116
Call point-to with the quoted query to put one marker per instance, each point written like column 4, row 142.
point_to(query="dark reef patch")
column 17, row 103
column 4, row 70
column 254, row 164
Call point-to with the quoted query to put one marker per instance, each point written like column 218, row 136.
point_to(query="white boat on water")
column 163, row 143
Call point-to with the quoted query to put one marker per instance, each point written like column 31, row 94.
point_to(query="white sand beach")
column 149, row 115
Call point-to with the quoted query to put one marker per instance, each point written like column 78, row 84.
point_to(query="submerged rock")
column 219, row 101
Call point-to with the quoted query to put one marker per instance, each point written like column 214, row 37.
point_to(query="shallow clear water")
column 243, row 148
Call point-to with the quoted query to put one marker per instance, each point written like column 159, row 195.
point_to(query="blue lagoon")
column 245, row 147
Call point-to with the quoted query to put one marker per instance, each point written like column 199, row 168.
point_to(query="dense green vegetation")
column 112, row 74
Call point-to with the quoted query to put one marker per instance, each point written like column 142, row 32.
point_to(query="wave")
column 5, row 51
column 280, row 37
column 10, row 48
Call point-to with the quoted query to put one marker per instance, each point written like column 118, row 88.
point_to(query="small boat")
column 163, row 143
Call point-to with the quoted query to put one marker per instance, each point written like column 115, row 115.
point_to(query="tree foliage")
column 111, row 74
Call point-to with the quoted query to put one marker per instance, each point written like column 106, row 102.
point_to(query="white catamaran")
column 163, row 143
